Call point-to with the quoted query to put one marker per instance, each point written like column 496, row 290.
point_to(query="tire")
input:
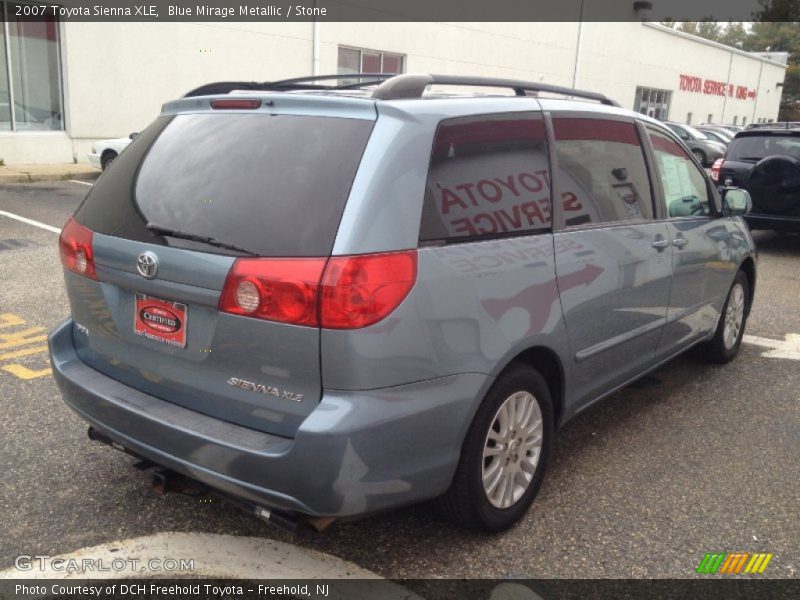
column 107, row 158
column 467, row 502
column 727, row 340
column 700, row 156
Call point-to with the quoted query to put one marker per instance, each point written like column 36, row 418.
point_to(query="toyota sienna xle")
column 323, row 301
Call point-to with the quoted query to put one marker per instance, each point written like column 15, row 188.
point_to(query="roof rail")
column 300, row 82
column 413, row 86
column 297, row 83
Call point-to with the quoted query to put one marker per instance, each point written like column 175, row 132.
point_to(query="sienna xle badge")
column 325, row 303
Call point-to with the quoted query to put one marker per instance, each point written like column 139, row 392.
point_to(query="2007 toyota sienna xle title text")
column 330, row 300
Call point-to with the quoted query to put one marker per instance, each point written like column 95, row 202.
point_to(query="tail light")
column 276, row 289
column 358, row 291
column 716, row 168
column 235, row 104
column 75, row 247
column 347, row 292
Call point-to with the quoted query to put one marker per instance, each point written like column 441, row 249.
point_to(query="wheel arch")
column 547, row 362
column 748, row 267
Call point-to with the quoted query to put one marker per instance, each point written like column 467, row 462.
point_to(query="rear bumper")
column 357, row 452
column 775, row 222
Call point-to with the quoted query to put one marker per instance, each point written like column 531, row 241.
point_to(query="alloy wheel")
column 511, row 450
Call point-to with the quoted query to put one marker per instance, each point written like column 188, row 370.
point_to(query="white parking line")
column 81, row 182
column 22, row 219
column 789, row 347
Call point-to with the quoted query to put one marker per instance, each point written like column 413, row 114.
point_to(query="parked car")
column 717, row 135
column 766, row 162
column 336, row 301
column 775, row 125
column 705, row 150
column 105, row 152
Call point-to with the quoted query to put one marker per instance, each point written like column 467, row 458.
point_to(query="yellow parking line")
column 25, row 352
column 25, row 373
column 19, row 338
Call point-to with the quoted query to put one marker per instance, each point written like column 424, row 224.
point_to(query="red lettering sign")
column 713, row 87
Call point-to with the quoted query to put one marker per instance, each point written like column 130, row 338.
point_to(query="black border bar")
column 405, row 10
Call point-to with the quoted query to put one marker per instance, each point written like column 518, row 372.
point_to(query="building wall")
column 116, row 76
column 616, row 57
column 538, row 52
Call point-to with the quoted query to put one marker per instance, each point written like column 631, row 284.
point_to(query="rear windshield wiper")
column 755, row 158
column 211, row 241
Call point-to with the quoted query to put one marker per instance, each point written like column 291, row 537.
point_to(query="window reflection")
column 488, row 176
column 604, row 158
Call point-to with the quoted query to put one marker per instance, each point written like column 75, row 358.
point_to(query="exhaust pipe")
column 167, row 480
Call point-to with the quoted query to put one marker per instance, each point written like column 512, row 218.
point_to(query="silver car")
column 326, row 300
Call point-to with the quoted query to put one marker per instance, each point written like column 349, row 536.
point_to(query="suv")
column 766, row 162
column 704, row 149
column 326, row 301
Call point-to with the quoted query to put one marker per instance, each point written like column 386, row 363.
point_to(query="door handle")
column 680, row 242
column 660, row 243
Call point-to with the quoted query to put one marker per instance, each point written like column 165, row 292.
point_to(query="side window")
column 488, row 176
column 683, row 186
column 602, row 172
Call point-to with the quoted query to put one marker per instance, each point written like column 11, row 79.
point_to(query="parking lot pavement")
column 696, row 459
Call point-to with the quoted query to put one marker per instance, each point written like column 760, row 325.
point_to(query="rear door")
column 701, row 244
column 615, row 266
column 252, row 184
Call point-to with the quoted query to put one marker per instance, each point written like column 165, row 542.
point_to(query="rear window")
column 756, row 147
column 601, row 166
column 273, row 185
column 488, row 177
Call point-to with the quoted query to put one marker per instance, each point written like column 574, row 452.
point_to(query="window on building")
column 652, row 102
column 735, row 120
column 359, row 60
column 683, row 186
column 30, row 72
column 488, row 177
column 688, row 118
column 744, row 121
column 710, row 118
column 602, row 172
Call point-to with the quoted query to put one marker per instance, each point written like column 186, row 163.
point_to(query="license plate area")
column 160, row 320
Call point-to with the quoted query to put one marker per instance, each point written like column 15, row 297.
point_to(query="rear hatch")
column 766, row 164
column 193, row 194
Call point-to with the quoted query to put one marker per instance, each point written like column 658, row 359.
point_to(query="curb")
column 22, row 175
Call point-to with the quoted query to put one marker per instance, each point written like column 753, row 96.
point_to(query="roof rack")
column 297, row 83
column 393, row 87
column 413, row 86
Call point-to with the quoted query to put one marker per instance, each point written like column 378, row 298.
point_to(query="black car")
column 765, row 162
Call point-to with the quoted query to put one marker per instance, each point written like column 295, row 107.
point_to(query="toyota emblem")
column 147, row 265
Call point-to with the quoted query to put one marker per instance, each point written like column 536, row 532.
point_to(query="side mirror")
column 736, row 202
column 133, row 136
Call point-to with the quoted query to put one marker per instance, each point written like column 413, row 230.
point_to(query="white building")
column 69, row 84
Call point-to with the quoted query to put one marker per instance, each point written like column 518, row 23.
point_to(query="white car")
column 105, row 151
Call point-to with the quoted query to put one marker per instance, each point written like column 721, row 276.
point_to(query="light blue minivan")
column 323, row 300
